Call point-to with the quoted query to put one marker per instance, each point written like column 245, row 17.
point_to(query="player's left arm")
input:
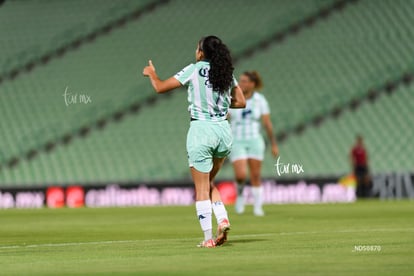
column 160, row 86
column 267, row 124
column 237, row 98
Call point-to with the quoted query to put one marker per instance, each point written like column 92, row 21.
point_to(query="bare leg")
column 240, row 172
column 202, row 184
column 257, row 190
column 255, row 167
column 218, row 206
column 217, row 164
column 203, row 203
column 219, row 209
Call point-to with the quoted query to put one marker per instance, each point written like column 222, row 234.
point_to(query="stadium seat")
column 335, row 60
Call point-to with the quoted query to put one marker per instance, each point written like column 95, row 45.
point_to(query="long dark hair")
column 221, row 67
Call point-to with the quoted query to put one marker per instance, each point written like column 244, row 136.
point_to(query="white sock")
column 219, row 211
column 204, row 217
column 258, row 196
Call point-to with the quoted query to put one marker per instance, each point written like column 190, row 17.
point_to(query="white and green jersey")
column 204, row 103
column 246, row 123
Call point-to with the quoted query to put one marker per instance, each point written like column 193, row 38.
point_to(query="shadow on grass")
column 233, row 242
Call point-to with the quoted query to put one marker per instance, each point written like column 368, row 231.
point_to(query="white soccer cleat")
column 239, row 206
column 258, row 212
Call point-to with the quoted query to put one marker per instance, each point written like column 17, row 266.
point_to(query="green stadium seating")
column 385, row 126
column 33, row 28
column 337, row 59
column 109, row 70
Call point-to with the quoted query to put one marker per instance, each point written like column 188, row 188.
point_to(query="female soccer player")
column 248, row 146
column 212, row 90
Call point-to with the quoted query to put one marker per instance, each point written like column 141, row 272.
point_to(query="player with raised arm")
column 212, row 90
column 248, row 146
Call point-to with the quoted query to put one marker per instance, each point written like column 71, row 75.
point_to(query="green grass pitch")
column 325, row 239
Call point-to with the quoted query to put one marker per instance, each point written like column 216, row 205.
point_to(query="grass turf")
column 290, row 240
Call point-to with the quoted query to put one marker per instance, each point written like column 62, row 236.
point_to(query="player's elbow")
column 242, row 103
column 238, row 100
column 160, row 89
column 239, row 103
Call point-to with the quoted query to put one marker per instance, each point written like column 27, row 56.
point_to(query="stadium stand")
column 384, row 124
column 306, row 74
column 48, row 118
column 86, row 71
column 339, row 59
column 52, row 24
column 327, row 67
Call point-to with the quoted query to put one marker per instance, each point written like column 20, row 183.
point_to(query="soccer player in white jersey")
column 212, row 90
column 248, row 145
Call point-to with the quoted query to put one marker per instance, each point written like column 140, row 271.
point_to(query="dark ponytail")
column 221, row 67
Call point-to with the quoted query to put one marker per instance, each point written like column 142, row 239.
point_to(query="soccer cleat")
column 239, row 206
column 222, row 230
column 258, row 212
column 207, row 244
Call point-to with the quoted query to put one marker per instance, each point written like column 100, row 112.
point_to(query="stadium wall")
column 302, row 191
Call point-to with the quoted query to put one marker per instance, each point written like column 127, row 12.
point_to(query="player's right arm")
column 160, row 86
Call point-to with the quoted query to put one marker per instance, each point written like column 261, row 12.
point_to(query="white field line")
column 25, row 246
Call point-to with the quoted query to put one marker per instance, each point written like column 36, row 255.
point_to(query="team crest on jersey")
column 203, row 72
column 246, row 112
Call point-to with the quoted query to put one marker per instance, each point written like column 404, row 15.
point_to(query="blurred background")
column 75, row 108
